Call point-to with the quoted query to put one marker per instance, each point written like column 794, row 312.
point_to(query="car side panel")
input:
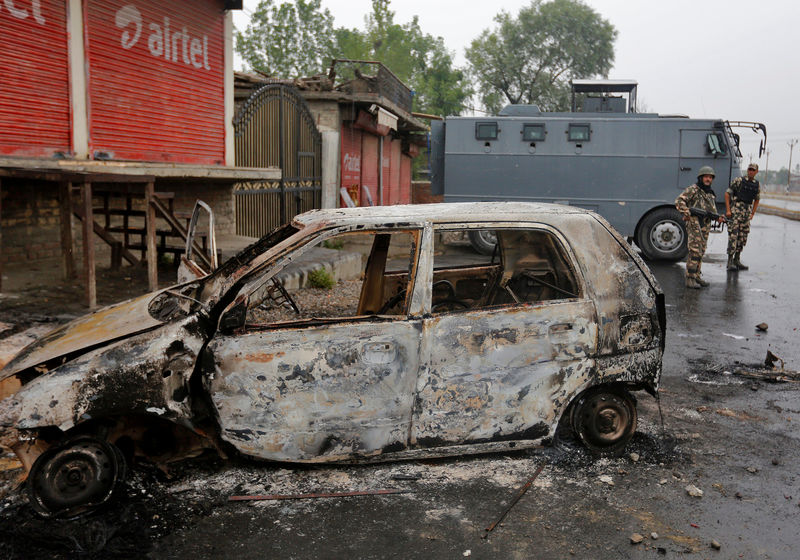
column 316, row 393
column 502, row 373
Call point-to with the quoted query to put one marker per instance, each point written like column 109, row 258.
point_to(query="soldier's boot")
column 703, row 283
column 731, row 263
column 739, row 264
column 692, row 283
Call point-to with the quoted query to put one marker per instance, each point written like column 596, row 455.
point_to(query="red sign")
column 156, row 71
column 34, row 85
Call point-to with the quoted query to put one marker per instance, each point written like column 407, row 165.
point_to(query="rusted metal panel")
column 104, row 325
column 502, row 373
column 319, row 393
column 155, row 80
column 34, row 90
column 146, row 374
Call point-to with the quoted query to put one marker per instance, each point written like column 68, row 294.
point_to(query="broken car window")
column 529, row 266
column 371, row 277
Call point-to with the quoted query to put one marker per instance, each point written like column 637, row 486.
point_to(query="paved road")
column 734, row 438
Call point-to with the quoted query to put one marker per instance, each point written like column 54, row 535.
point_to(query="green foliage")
column 321, row 278
column 289, row 39
column 531, row 58
column 333, row 244
column 419, row 60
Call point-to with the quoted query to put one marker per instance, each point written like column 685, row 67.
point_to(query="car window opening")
column 374, row 283
column 526, row 267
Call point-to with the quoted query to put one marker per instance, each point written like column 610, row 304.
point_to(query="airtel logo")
column 173, row 45
column 20, row 13
column 351, row 163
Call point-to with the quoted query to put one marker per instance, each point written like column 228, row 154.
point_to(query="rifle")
column 716, row 226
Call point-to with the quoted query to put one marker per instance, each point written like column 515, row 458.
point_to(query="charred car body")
column 437, row 355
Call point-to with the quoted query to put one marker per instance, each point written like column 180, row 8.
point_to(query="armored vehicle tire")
column 662, row 235
column 604, row 419
column 483, row 241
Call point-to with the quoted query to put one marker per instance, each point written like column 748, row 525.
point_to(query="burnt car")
column 426, row 350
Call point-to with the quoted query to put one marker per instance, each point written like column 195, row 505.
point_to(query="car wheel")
column 75, row 477
column 662, row 235
column 483, row 241
column 604, row 420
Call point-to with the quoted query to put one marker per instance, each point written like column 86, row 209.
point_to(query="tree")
column 289, row 39
column 531, row 58
column 420, row 60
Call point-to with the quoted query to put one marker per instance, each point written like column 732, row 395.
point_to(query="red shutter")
column 34, row 85
column 405, row 179
column 351, row 163
column 369, row 169
column 156, row 80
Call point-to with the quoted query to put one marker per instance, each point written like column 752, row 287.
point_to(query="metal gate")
column 275, row 128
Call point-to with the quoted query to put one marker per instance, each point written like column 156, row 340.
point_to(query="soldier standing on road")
column 741, row 201
column 698, row 195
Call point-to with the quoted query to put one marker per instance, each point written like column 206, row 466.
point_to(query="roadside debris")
column 605, row 478
column 762, row 327
column 694, row 491
column 770, row 360
column 715, row 545
column 634, row 457
column 265, row 497
column 636, row 538
column 520, row 493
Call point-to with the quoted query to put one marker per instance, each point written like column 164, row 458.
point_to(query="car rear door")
column 495, row 368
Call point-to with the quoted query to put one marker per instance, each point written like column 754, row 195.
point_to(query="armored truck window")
column 578, row 133
column 533, row 132
column 716, row 145
column 486, row 131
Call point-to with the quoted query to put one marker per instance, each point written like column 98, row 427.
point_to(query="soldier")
column 698, row 195
column 741, row 201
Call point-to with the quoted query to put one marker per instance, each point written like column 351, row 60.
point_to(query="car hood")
column 107, row 324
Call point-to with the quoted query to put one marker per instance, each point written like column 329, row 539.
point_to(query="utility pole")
column 791, row 144
column 766, row 169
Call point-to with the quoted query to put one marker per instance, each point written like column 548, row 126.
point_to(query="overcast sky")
column 728, row 59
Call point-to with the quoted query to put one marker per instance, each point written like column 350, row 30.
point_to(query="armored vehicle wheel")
column 75, row 477
column 604, row 420
column 662, row 235
column 483, row 241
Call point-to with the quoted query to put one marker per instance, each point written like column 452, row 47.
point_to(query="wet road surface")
column 735, row 438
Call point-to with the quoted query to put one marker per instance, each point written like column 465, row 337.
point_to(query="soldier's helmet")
column 706, row 170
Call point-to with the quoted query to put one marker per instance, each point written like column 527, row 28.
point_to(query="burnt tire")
column 604, row 420
column 483, row 241
column 662, row 235
column 75, row 477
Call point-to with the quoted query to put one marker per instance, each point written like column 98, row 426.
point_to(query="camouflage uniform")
column 698, row 228
column 739, row 224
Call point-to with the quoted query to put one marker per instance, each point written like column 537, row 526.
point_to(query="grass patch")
column 321, row 278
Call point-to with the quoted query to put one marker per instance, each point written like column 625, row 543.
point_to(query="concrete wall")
column 29, row 221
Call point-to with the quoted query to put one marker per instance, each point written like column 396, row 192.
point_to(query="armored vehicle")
column 604, row 156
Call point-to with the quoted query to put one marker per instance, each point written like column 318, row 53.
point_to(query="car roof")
column 453, row 212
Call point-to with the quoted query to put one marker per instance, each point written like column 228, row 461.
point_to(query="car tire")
column 662, row 235
column 483, row 241
column 604, row 419
column 75, row 477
